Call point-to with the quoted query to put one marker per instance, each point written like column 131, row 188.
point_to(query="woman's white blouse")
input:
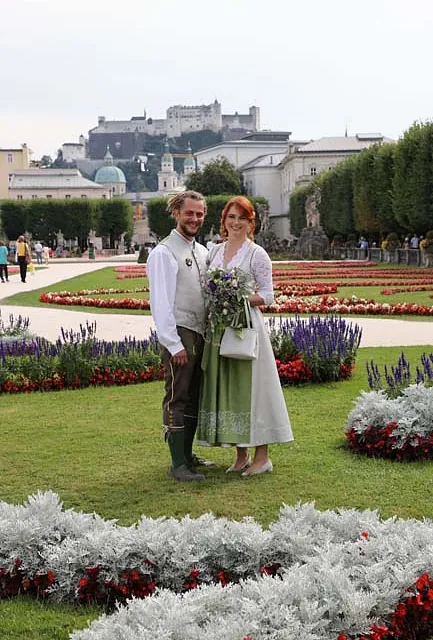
column 261, row 268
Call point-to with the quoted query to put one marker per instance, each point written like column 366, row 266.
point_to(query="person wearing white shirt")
column 38, row 251
column 174, row 269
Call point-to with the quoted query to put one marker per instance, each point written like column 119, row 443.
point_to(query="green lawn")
column 104, row 278
column 102, row 450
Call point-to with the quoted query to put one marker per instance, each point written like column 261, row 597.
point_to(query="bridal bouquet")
column 225, row 291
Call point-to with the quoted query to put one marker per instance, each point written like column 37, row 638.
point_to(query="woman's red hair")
column 244, row 205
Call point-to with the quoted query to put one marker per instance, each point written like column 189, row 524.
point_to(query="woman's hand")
column 256, row 300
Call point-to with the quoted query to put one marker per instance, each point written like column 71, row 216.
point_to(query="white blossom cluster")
column 340, row 570
column 412, row 411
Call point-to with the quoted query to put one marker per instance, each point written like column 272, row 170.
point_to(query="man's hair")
column 175, row 203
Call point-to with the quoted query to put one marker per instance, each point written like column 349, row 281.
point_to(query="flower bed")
column 290, row 304
column 290, row 297
column 316, row 351
column 75, row 361
column 346, row 306
column 82, row 299
column 130, row 271
column 394, row 419
column 312, row 575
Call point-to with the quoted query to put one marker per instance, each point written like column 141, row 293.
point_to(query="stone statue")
column 311, row 212
column 313, row 242
column 264, row 215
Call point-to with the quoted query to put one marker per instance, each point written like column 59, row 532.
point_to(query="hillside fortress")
column 179, row 120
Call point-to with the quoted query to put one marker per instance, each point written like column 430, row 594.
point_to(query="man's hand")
column 180, row 359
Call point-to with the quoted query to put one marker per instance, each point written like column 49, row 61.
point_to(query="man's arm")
column 162, row 272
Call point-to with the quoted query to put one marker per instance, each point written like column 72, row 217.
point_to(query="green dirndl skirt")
column 225, row 398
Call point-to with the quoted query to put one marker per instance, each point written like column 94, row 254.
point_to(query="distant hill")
column 126, row 145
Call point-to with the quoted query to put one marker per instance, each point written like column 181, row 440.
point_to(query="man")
column 174, row 268
column 38, row 251
column 23, row 257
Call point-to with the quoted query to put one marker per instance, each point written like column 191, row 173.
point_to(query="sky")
column 314, row 67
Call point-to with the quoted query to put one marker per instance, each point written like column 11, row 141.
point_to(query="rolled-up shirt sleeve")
column 262, row 270
column 162, row 273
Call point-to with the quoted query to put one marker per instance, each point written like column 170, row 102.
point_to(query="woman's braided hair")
column 175, row 203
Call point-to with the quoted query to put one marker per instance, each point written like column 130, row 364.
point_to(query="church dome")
column 109, row 174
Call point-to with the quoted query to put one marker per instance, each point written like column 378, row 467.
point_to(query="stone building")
column 73, row 151
column 272, row 165
column 11, row 160
column 111, row 176
column 126, row 138
column 29, row 184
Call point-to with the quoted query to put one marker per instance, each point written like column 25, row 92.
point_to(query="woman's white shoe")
column 246, row 464
column 266, row 468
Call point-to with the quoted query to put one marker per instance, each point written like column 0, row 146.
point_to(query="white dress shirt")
column 162, row 271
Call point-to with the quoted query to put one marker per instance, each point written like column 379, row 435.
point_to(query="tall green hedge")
column 43, row 218
column 413, row 179
column 297, row 215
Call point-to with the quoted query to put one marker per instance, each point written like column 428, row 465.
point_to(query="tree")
column 45, row 162
column 218, row 177
column 336, row 202
column 297, row 216
column 364, row 191
column 413, row 178
column 383, row 176
column 59, row 163
column 114, row 217
column 15, row 217
column 80, row 214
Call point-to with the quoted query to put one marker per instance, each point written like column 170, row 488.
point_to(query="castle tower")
column 255, row 117
column 167, row 178
column 189, row 164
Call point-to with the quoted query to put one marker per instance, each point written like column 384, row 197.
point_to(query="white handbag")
column 240, row 344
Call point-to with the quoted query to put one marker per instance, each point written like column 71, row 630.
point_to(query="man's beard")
column 185, row 231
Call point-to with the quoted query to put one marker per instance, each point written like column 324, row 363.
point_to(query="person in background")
column 23, row 257
column 414, row 242
column 4, row 262
column 174, row 269
column 38, row 251
column 46, row 254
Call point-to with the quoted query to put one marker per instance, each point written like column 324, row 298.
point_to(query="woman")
column 4, row 262
column 23, row 256
column 241, row 400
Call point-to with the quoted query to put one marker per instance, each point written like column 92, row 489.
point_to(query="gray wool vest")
column 189, row 307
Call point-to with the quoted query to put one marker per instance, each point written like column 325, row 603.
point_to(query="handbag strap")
column 248, row 318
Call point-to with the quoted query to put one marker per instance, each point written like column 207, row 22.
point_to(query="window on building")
column 165, row 183
column 313, row 171
column 34, row 197
column 19, row 197
column 10, row 158
column 83, row 196
column 49, row 196
column 104, row 197
column 67, row 196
